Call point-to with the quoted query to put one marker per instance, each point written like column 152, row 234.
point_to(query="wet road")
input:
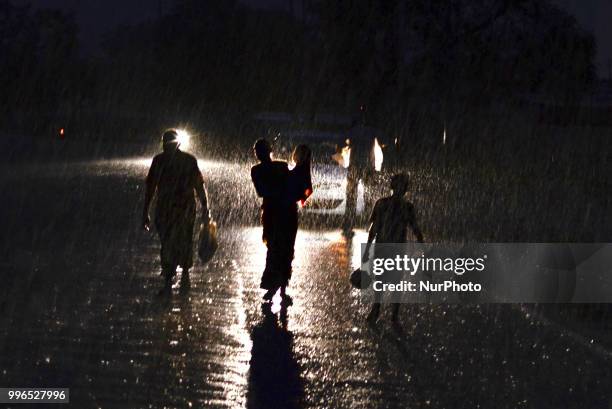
column 79, row 309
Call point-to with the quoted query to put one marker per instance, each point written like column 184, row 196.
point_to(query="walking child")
column 389, row 223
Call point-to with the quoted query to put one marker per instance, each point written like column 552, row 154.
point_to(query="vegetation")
column 401, row 58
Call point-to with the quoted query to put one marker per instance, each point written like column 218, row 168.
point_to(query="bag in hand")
column 208, row 241
column 360, row 278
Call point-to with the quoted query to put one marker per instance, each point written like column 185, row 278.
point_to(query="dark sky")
column 595, row 16
column 95, row 17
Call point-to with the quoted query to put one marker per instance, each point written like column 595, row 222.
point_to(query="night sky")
column 97, row 17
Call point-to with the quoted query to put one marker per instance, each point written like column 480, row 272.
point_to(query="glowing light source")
column 62, row 133
column 444, row 137
column 346, row 156
column 378, row 155
column 184, row 138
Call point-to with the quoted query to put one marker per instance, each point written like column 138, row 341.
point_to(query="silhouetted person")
column 389, row 223
column 270, row 180
column 175, row 176
column 361, row 167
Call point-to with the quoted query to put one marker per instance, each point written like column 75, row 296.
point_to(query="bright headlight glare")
column 183, row 138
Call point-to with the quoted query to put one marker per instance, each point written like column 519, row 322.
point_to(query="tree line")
column 225, row 59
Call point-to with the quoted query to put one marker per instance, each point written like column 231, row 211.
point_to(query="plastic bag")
column 207, row 245
column 360, row 278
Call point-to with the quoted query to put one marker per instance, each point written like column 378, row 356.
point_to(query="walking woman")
column 270, row 180
column 280, row 190
column 175, row 177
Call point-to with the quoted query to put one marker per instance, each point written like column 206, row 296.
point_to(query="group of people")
column 176, row 178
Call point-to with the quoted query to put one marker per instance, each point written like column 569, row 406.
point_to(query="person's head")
column 400, row 182
column 262, row 150
column 170, row 140
column 301, row 155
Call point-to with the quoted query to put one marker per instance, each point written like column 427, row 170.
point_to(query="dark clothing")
column 270, row 180
column 282, row 221
column 279, row 221
column 361, row 167
column 280, row 224
column 176, row 175
column 362, row 147
column 391, row 218
column 299, row 186
column 280, row 190
column 353, row 176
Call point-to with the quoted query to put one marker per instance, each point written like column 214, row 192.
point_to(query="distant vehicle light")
column 346, row 156
column 62, row 133
column 343, row 157
column 378, row 156
column 184, row 138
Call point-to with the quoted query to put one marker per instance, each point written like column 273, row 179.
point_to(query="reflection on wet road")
column 79, row 309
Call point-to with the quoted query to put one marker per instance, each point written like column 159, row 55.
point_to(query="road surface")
column 79, row 309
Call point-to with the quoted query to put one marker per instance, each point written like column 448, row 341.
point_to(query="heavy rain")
column 491, row 118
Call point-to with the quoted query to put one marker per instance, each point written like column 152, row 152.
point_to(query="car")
column 330, row 158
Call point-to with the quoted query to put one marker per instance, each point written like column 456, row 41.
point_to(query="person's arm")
column 414, row 226
column 308, row 189
column 303, row 190
column 202, row 195
column 260, row 188
column 150, row 187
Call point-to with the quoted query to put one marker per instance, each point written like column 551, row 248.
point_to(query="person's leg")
column 166, row 254
column 395, row 313
column 276, row 260
column 287, row 300
column 289, row 236
column 369, row 192
column 375, row 311
column 266, row 282
column 184, row 239
column 168, row 271
column 185, row 280
column 270, row 277
column 352, row 183
column 269, row 294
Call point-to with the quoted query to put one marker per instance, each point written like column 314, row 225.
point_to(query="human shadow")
column 274, row 378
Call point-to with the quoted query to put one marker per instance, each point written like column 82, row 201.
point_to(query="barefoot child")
column 389, row 223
